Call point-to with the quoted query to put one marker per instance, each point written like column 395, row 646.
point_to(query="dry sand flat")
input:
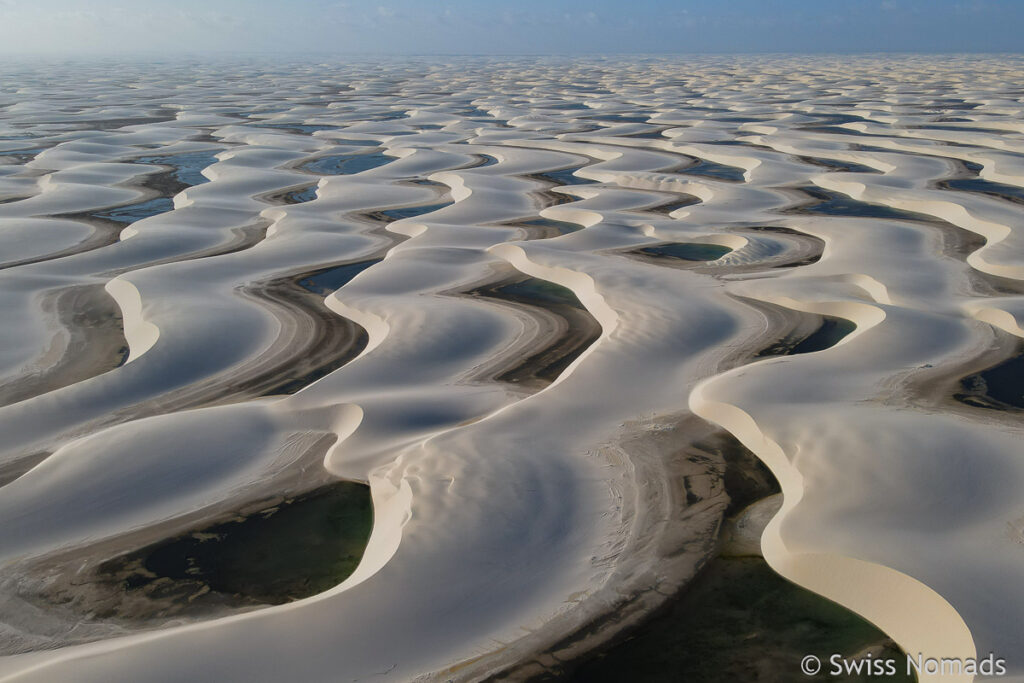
column 169, row 209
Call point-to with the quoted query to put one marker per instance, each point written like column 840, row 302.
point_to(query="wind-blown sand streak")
column 516, row 528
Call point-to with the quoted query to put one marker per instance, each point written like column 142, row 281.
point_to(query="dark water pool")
column 830, row 332
column 346, row 164
column 293, row 549
column 1000, row 387
column 331, row 279
column 688, row 251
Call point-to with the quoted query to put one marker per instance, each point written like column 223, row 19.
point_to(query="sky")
column 503, row 27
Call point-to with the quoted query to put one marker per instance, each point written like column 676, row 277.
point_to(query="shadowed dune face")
column 460, row 369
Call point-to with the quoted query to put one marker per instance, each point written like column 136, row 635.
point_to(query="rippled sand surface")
column 516, row 299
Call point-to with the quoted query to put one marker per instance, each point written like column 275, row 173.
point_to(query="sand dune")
column 222, row 282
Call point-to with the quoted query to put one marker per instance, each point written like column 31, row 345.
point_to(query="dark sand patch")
column 675, row 203
column 838, row 130
column 563, row 176
column 355, row 142
column 319, row 340
column 545, row 228
column 485, row 160
column 294, row 128
column 328, row 280
column 836, row 165
column 131, row 213
column 655, row 134
column 621, row 118
column 90, row 342
column 809, row 248
column 300, row 195
column 412, row 211
column 712, row 169
column 567, row 329
column 828, row 203
column 1009, row 193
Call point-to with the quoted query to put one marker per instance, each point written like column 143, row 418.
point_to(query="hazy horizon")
column 530, row 27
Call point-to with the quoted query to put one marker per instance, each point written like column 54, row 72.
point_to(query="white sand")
column 505, row 521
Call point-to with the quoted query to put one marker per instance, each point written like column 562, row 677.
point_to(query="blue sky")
column 505, row 27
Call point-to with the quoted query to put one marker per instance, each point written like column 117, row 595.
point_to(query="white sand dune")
column 513, row 525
